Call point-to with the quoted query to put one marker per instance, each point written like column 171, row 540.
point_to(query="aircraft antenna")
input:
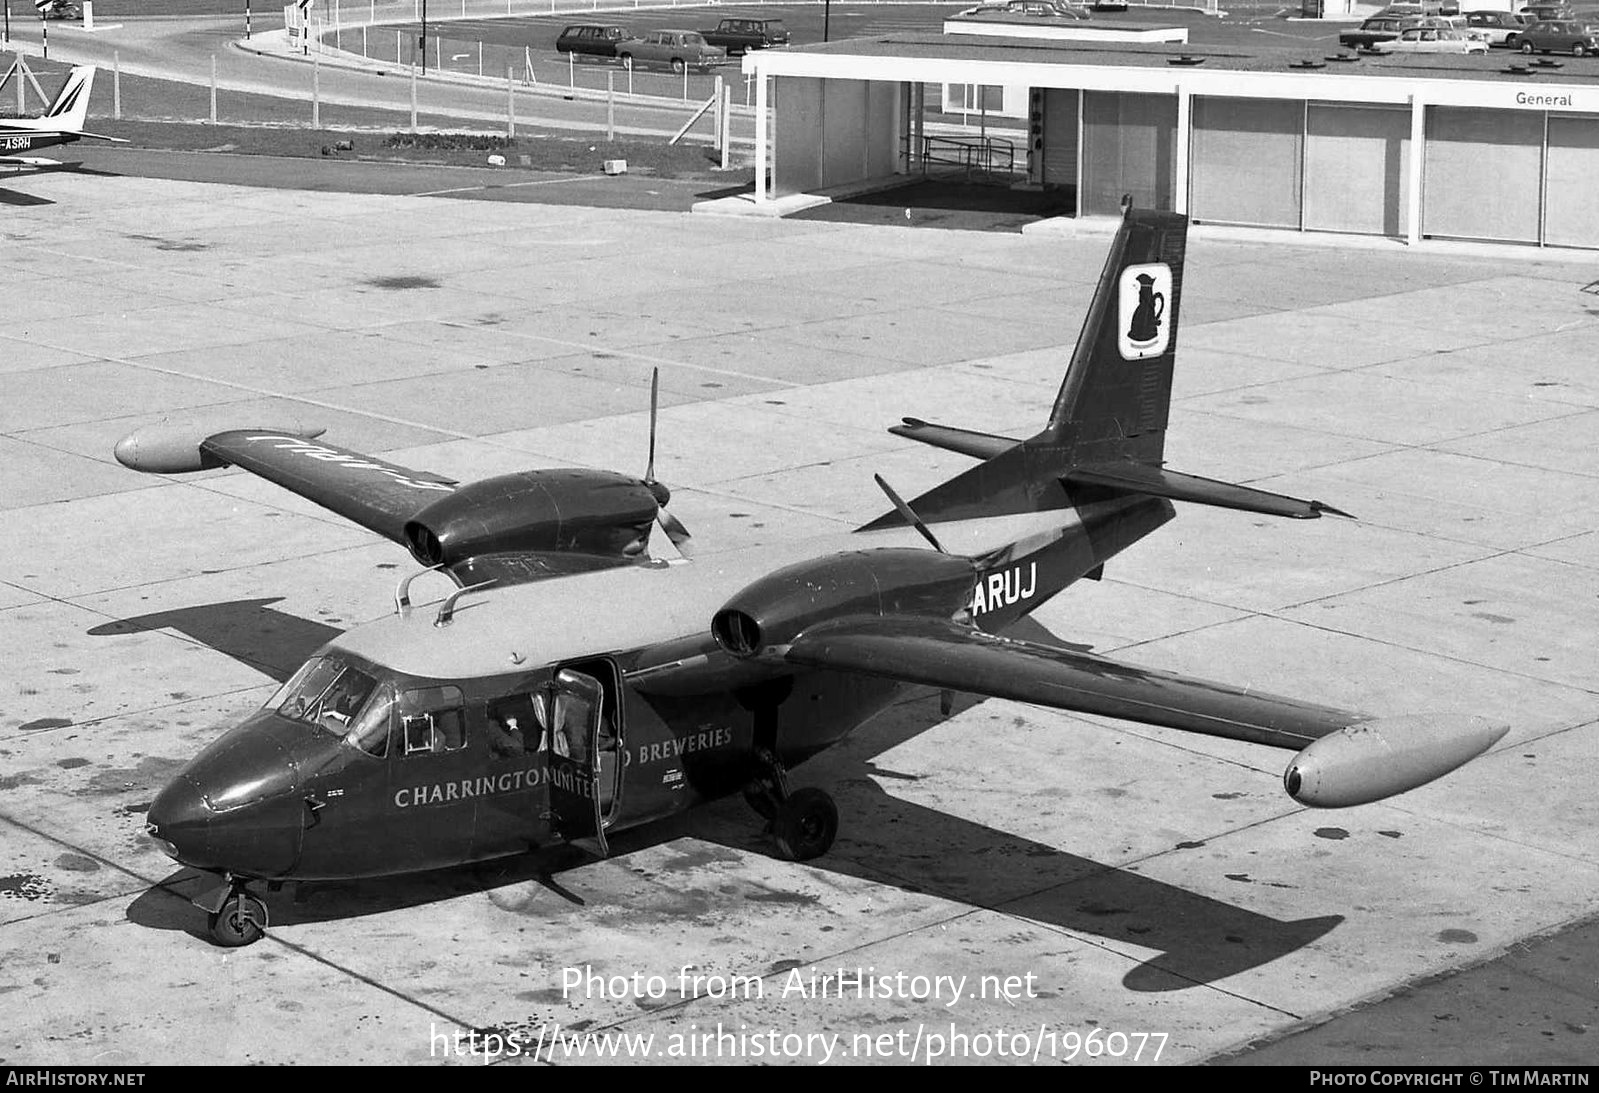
column 402, row 593
column 447, row 608
column 909, row 514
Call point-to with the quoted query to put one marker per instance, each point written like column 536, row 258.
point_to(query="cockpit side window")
column 370, row 732
column 327, row 692
column 433, row 720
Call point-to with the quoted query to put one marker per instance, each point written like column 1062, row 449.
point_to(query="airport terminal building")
column 1499, row 147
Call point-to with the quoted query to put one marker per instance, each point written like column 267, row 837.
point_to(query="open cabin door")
column 584, row 743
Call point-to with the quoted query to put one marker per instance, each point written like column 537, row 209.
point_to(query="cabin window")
column 432, row 720
column 518, row 726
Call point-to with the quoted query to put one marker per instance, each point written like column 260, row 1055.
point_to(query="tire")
column 805, row 825
column 1577, row 50
column 242, row 921
column 677, row 65
column 1525, row 47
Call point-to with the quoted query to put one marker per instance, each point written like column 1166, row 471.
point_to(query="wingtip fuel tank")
column 175, row 448
column 1375, row 759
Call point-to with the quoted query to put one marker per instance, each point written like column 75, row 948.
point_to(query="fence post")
column 726, row 126
column 363, row 40
column 397, row 59
column 316, row 92
column 510, row 100
column 213, row 89
column 116, row 85
column 716, row 115
column 413, row 96
column 480, row 58
column 685, row 83
column 571, row 73
column 610, row 106
column 438, row 54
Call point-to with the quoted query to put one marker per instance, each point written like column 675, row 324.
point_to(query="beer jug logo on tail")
column 1142, row 327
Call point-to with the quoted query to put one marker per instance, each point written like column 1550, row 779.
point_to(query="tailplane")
column 1106, row 434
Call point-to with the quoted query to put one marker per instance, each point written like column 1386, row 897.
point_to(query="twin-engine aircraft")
column 573, row 685
column 62, row 123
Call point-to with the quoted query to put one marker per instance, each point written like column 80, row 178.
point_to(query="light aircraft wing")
column 952, row 656
column 379, row 495
column 1344, row 758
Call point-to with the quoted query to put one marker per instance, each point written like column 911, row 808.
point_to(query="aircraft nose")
column 179, row 818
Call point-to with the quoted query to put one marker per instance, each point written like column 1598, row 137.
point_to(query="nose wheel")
column 803, row 823
column 241, row 920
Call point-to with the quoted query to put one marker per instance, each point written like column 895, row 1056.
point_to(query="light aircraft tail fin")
column 70, row 110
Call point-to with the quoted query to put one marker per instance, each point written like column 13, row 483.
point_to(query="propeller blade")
column 908, row 514
column 655, row 406
column 675, row 531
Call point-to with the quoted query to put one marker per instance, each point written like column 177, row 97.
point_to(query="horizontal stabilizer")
column 950, row 656
column 1160, row 482
column 1379, row 758
column 965, row 441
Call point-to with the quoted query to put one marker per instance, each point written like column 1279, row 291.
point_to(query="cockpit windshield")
column 328, row 692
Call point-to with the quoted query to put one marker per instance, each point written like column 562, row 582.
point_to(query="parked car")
column 1434, row 40
column 592, row 39
column 680, row 49
column 1555, row 9
column 1385, row 28
column 1422, row 7
column 61, row 9
column 1559, row 36
column 1502, row 28
column 1027, row 9
column 739, row 36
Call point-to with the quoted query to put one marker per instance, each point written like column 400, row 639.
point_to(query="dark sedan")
column 1560, row 36
column 592, row 39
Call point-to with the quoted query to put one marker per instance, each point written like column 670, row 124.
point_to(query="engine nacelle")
column 581, row 511
column 770, row 613
column 1376, row 759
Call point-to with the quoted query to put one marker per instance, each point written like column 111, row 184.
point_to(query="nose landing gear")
column 240, row 919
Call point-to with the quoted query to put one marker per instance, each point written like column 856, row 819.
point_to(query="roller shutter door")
column 1356, row 165
column 1129, row 147
column 1482, row 174
column 1571, row 211
column 1246, row 161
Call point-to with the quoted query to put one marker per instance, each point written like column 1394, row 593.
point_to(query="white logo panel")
column 1144, row 293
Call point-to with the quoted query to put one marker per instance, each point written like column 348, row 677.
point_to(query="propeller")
column 675, row 531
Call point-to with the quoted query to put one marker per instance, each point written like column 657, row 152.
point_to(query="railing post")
column 413, row 96
column 316, row 92
column 510, row 100
column 610, row 106
column 213, row 89
column 116, row 85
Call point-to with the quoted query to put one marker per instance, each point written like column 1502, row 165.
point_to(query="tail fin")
column 1113, row 403
column 70, row 110
column 1115, row 399
column 1106, row 436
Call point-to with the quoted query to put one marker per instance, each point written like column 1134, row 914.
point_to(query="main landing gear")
column 240, row 919
column 803, row 823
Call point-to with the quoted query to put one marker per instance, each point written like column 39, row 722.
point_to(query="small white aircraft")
column 62, row 123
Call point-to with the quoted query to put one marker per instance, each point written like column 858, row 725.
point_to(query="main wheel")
column 805, row 825
column 1526, row 47
column 1577, row 50
column 677, row 65
column 242, row 921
